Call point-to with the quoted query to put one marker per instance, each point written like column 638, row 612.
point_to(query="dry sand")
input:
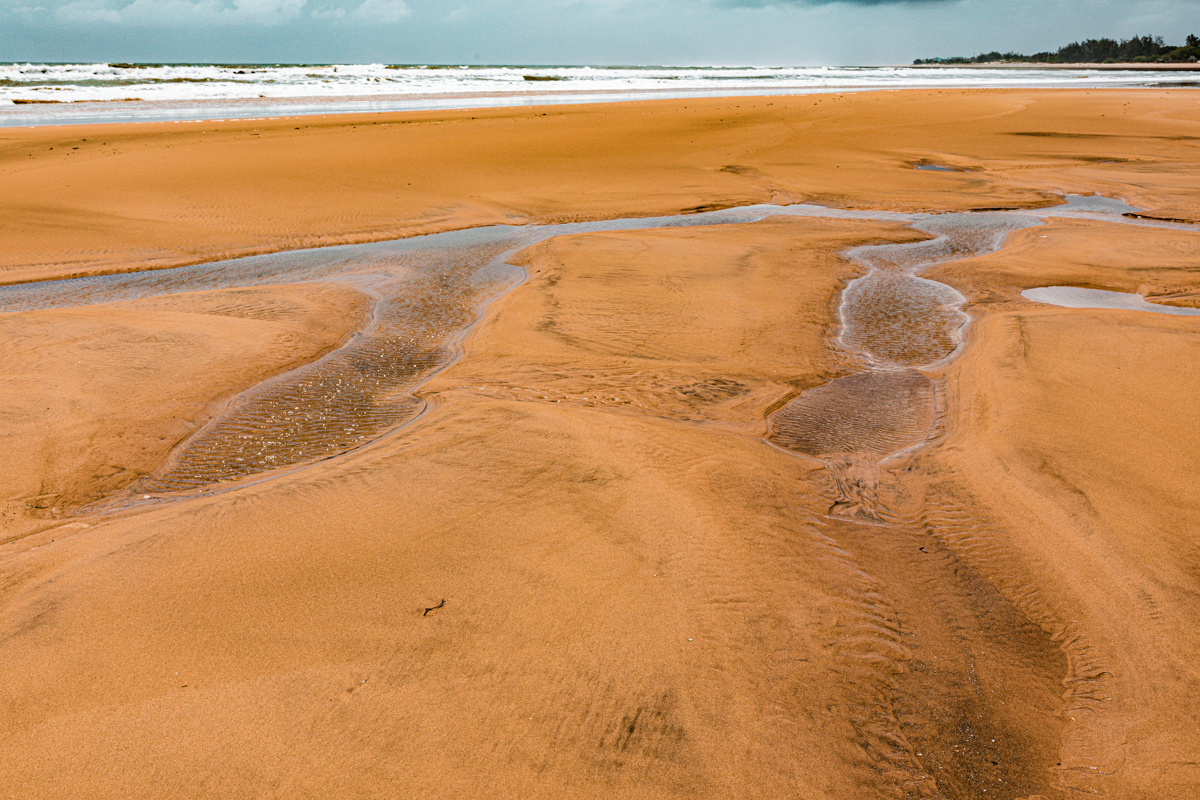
column 643, row 597
column 88, row 199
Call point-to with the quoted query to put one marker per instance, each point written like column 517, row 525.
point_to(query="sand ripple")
column 872, row 413
column 354, row 394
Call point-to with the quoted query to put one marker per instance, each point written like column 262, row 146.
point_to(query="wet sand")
column 643, row 596
column 96, row 396
column 1073, row 461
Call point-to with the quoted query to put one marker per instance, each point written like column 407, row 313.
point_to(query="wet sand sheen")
column 425, row 292
column 872, row 414
column 170, row 361
column 392, row 175
column 351, row 396
column 853, row 423
column 892, row 320
column 659, row 716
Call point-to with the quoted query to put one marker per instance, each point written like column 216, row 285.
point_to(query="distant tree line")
column 1138, row 50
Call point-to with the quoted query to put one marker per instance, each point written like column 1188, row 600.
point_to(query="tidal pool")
column 1078, row 297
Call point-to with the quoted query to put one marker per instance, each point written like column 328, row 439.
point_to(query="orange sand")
column 102, row 198
column 96, row 396
column 643, row 598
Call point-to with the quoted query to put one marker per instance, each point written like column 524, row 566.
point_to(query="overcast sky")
column 699, row 32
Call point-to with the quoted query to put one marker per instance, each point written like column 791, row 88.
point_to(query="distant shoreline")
column 1155, row 67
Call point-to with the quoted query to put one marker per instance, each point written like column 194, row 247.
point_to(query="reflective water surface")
column 1076, row 297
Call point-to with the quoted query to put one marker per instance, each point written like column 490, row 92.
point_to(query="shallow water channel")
column 425, row 292
column 900, row 326
column 897, row 323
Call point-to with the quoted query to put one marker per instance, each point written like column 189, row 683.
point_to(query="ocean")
column 49, row 94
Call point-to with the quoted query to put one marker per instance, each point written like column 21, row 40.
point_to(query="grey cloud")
column 185, row 14
column 812, row 3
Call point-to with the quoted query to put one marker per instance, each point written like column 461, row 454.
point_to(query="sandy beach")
column 647, row 594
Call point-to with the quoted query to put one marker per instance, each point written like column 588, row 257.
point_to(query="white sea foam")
column 207, row 91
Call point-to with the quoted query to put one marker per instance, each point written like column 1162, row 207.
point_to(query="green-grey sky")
column 719, row 32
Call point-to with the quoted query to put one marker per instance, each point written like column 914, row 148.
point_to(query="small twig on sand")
column 431, row 608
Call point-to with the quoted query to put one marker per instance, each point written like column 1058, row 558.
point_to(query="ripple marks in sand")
column 1094, row 741
column 351, row 396
column 336, row 405
column 895, row 318
column 900, row 319
column 872, row 414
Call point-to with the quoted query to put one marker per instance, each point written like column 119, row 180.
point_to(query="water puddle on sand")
column 427, row 291
column 1076, row 297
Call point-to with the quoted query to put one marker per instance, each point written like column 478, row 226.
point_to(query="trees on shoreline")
column 1139, row 49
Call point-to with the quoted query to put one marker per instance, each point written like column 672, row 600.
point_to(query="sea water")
column 49, row 94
